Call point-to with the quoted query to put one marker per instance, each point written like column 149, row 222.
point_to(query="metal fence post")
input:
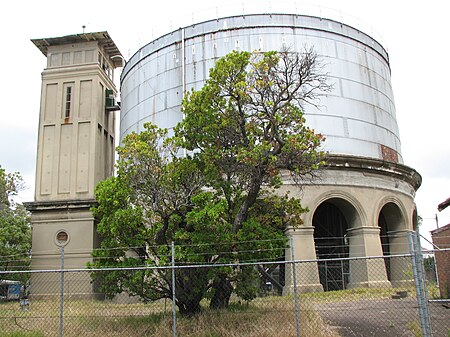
column 418, row 282
column 422, row 278
column 61, row 294
column 294, row 277
column 174, row 297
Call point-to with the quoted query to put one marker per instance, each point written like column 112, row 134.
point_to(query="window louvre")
column 68, row 100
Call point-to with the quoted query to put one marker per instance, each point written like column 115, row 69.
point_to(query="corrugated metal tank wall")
column 357, row 117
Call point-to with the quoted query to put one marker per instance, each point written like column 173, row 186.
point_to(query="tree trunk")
column 188, row 308
column 252, row 195
column 222, row 293
column 191, row 288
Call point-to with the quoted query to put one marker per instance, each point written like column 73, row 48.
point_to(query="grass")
column 433, row 291
column 21, row 334
column 272, row 315
column 268, row 316
column 415, row 328
column 265, row 316
column 355, row 294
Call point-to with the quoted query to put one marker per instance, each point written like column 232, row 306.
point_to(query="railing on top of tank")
column 258, row 7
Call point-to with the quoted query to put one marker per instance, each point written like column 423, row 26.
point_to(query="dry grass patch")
column 355, row 294
column 269, row 316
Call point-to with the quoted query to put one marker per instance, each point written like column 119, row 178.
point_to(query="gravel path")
column 386, row 317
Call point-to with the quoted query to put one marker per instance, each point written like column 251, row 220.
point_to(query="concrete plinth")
column 367, row 273
column 400, row 267
column 307, row 273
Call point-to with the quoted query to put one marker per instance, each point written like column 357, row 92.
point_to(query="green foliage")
column 247, row 126
column 217, row 204
column 10, row 185
column 15, row 230
column 247, row 285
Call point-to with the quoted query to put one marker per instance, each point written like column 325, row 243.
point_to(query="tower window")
column 68, row 99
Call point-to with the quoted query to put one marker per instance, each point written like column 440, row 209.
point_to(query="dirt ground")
column 386, row 317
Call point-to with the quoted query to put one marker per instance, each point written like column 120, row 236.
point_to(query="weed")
column 433, row 291
column 414, row 327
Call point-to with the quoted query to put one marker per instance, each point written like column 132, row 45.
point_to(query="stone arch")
column 392, row 219
column 395, row 210
column 352, row 207
column 334, row 214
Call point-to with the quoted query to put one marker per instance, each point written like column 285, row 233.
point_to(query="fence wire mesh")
column 358, row 296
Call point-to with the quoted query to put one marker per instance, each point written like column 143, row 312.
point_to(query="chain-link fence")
column 349, row 296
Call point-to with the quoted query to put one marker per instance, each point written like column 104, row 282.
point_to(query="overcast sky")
column 415, row 34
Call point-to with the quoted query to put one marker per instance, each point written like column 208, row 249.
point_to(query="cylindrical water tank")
column 357, row 117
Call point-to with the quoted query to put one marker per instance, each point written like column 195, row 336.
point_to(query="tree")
column 242, row 129
column 246, row 124
column 15, row 230
column 157, row 198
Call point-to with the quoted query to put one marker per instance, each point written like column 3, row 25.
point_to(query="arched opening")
column 390, row 221
column 331, row 221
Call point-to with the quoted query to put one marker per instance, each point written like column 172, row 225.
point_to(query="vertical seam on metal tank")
column 345, row 124
column 336, row 49
column 183, row 63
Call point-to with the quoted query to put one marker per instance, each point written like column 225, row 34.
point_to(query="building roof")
column 103, row 39
column 440, row 229
column 443, row 205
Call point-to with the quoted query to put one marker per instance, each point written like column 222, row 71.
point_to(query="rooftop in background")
column 440, row 230
column 103, row 39
column 443, row 205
